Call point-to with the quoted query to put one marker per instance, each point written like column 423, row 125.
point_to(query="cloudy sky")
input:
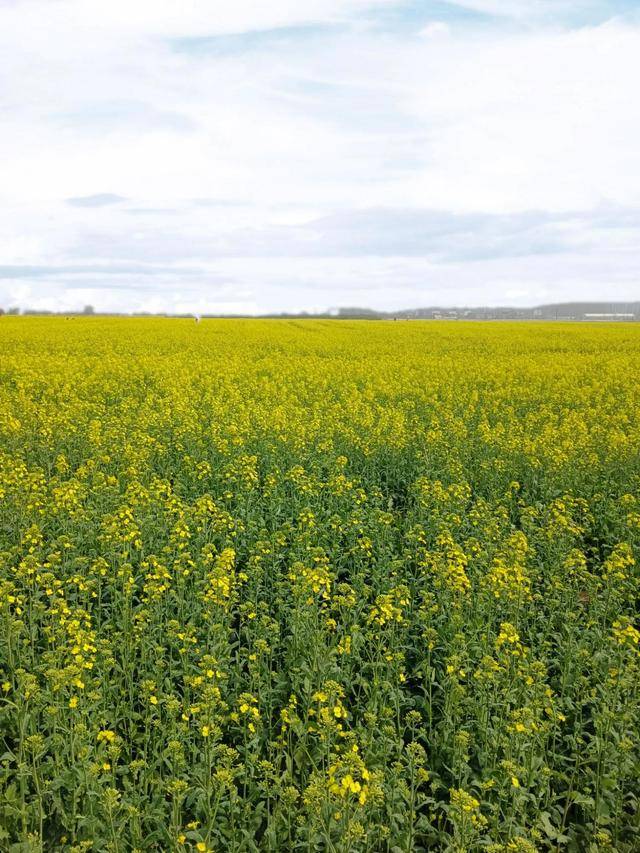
column 246, row 156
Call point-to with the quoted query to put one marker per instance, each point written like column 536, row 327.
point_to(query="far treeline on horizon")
column 562, row 311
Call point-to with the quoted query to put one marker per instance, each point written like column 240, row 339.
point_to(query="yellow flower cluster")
column 348, row 777
column 625, row 634
column 508, row 641
column 449, row 566
column 314, row 580
column 466, row 808
column 508, row 578
column 257, row 576
column 618, row 565
column 389, row 606
column 220, row 578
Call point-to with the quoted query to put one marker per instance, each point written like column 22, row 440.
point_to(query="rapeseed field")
column 319, row 586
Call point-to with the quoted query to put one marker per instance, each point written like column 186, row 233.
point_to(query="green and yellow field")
column 319, row 586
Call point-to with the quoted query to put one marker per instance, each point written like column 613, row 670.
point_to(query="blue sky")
column 249, row 156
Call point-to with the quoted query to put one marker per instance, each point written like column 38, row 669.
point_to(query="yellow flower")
column 625, row 634
column 106, row 735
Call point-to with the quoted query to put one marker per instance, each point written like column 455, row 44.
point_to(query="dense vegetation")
column 318, row 585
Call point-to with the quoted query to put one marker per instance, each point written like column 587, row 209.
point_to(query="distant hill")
column 579, row 311
column 584, row 311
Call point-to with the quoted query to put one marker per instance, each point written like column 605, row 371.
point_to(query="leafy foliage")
column 318, row 585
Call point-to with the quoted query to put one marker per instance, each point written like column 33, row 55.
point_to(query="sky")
column 241, row 156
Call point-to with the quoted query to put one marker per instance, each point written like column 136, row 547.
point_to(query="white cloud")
column 528, row 9
column 541, row 120
column 170, row 19
column 435, row 29
column 98, row 104
column 258, row 285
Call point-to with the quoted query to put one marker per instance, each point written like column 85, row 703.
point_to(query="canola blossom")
column 319, row 585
